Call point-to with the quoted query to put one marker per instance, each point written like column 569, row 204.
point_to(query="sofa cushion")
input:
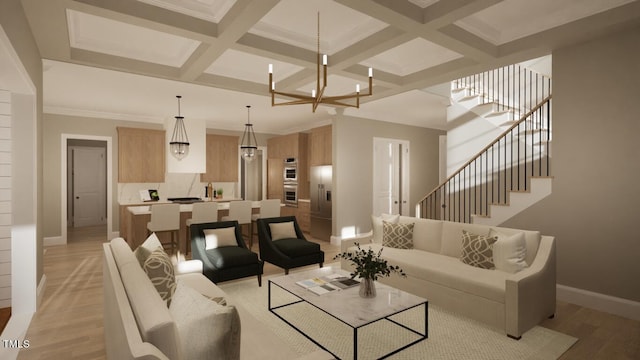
column 215, row 238
column 151, row 312
column 531, row 238
column 160, row 271
column 207, row 329
column 398, row 236
column 477, row 250
column 231, row 256
column 452, row 236
column 201, row 284
column 283, row 230
column 427, row 233
column 145, row 249
column 509, row 251
column 446, row 271
column 296, row 247
column 376, row 225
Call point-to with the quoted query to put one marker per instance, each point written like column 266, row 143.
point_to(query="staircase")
column 513, row 171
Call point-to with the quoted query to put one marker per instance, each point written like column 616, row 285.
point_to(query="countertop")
column 165, row 201
column 223, row 205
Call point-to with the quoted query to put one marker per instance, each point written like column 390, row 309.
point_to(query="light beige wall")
column 353, row 167
column 54, row 127
column 593, row 209
column 15, row 25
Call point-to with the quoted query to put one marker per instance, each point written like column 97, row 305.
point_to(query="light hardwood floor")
column 68, row 324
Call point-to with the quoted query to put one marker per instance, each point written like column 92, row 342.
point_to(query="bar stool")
column 268, row 209
column 240, row 211
column 165, row 217
column 201, row 213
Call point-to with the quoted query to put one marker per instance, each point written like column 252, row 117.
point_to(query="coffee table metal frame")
column 355, row 328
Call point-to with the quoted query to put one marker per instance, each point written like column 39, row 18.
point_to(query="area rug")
column 451, row 336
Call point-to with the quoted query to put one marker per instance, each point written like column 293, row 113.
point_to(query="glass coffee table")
column 348, row 307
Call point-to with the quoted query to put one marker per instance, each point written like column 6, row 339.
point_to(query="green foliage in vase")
column 369, row 264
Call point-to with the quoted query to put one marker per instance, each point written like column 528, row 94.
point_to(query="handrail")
column 486, row 148
column 508, row 162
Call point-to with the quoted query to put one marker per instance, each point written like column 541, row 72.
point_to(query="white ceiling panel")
column 412, row 56
column 514, row 19
column 249, row 67
column 295, row 22
column 210, row 10
column 102, row 35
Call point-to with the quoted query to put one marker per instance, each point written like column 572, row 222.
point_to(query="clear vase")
column 367, row 288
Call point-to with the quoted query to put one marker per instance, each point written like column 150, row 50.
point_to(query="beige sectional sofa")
column 138, row 324
column 516, row 296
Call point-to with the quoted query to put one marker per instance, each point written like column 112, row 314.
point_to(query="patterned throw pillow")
column 477, row 250
column 399, row 236
column 160, row 271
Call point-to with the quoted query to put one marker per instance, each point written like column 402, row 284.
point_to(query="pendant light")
column 179, row 145
column 249, row 145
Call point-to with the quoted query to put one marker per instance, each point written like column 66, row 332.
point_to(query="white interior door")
column 390, row 176
column 89, row 186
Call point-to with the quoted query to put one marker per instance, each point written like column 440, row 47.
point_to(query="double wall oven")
column 290, row 180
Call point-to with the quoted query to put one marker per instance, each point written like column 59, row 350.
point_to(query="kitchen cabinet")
column 275, row 179
column 320, row 142
column 304, row 215
column 288, row 146
column 141, row 155
column 222, row 159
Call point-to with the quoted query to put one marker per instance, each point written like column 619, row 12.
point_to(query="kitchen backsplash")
column 175, row 185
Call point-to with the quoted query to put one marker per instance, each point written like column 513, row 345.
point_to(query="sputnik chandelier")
column 317, row 95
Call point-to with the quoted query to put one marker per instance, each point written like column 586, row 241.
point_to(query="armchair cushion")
column 215, row 238
column 231, row 256
column 283, row 230
column 296, row 247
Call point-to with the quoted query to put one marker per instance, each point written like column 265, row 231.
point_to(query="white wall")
column 5, row 199
column 353, row 168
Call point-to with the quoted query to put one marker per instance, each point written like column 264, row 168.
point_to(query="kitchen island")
column 134, row 219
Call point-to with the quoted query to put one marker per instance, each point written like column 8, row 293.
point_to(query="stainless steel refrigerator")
column 320, row 194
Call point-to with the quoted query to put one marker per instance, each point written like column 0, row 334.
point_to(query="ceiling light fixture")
column 251, row 145
column 179, row 144
column 317, row 95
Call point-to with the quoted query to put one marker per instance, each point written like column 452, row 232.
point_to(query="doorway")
column 390, row 176
column 86, row 185
column 86, row 190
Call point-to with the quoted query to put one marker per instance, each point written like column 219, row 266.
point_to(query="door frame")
column 63, row 181
column 405, row 163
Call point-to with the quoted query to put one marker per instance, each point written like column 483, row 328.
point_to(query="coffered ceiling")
column 127, row 59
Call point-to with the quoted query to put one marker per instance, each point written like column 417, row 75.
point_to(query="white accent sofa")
column 139, row 325
column 514, row 302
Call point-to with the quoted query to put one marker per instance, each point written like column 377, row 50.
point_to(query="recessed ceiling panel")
column 209, row 10
column 510, row 20
column 98, row 34
column 244, row 66
column 423, row 3
column 412, row 56
column 295, row 22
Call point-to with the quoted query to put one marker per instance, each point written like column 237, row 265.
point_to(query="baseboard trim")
column 53, row 241
column 610, row 304
column 42, row 286
column 114, row 234
column 335, row 240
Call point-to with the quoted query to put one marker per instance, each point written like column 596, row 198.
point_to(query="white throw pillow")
column 283, row 230
column 207, row 329
column 509, row 252
column 376, row 223
column 147, row 247
column 215, row 238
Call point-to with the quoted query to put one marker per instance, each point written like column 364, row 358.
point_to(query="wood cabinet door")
column 141, row 155
column 222, row 159
column 275, row 182
column 320, row 146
